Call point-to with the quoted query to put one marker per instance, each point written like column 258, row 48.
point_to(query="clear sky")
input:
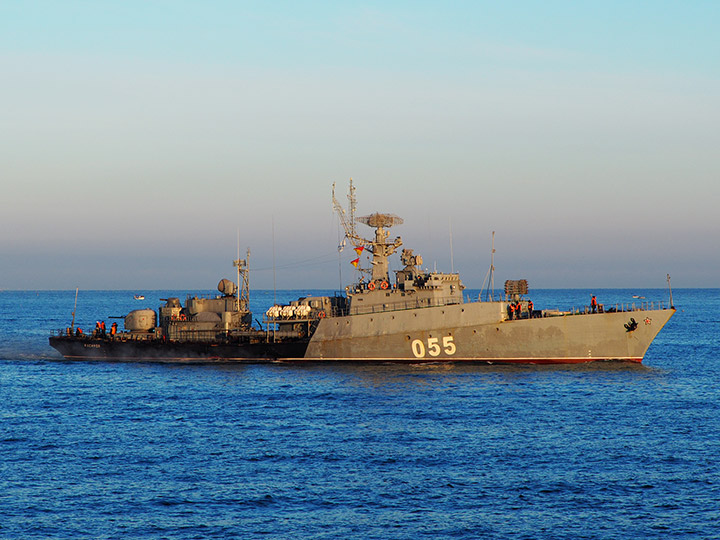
column 138, row 137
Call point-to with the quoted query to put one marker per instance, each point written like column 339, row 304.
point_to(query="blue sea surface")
column 101, row 450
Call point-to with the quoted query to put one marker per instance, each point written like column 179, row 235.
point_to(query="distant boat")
column 139, row 297
column 636, row 296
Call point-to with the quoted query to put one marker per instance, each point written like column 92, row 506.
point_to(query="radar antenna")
column 379, row 220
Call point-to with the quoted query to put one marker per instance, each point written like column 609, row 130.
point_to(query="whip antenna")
column 72, row 325
column 490, row 276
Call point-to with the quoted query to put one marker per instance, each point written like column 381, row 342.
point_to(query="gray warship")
column 419, row 316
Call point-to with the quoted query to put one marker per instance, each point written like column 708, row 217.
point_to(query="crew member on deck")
column 593, row 304
column 530, row 309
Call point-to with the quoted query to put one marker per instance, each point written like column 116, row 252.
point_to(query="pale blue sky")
column 136, row 138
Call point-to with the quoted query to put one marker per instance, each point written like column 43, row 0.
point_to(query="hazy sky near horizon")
column 138, row 138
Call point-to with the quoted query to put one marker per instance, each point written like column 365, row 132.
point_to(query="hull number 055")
column 434, row 347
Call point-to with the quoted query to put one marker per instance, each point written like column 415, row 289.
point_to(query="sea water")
column 94, row 450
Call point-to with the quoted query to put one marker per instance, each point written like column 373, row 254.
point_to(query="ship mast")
column 490, row 274
column 72, row 325
column 348, row 223
column 243, row 291
column 379, row 247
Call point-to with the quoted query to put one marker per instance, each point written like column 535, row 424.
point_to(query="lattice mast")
column 243, row 289
column 348, row 223
column 347, row 220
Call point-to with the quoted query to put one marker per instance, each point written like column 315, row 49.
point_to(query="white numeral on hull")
column 433, row 347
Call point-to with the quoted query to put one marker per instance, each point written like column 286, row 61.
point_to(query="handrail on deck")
column 620, row 307
column 402, row 306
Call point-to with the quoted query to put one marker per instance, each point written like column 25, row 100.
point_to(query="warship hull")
column 188, row 352
column 470, row 333
column 419, row 316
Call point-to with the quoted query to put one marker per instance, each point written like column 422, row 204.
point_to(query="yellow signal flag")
column 359, row 250
column 355, row 262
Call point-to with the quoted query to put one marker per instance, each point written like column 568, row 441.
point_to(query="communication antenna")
column 348, row 223
column 347, row 220
column 490, row 276
column 236, row 263
column 452, row 256
column 341, row 246
column 273, row 250
column 352, row 206
column 72, row 325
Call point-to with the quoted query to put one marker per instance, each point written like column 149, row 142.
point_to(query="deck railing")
column 403, row 305
column 620, row 307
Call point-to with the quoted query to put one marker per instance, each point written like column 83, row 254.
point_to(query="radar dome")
column 227, row 287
